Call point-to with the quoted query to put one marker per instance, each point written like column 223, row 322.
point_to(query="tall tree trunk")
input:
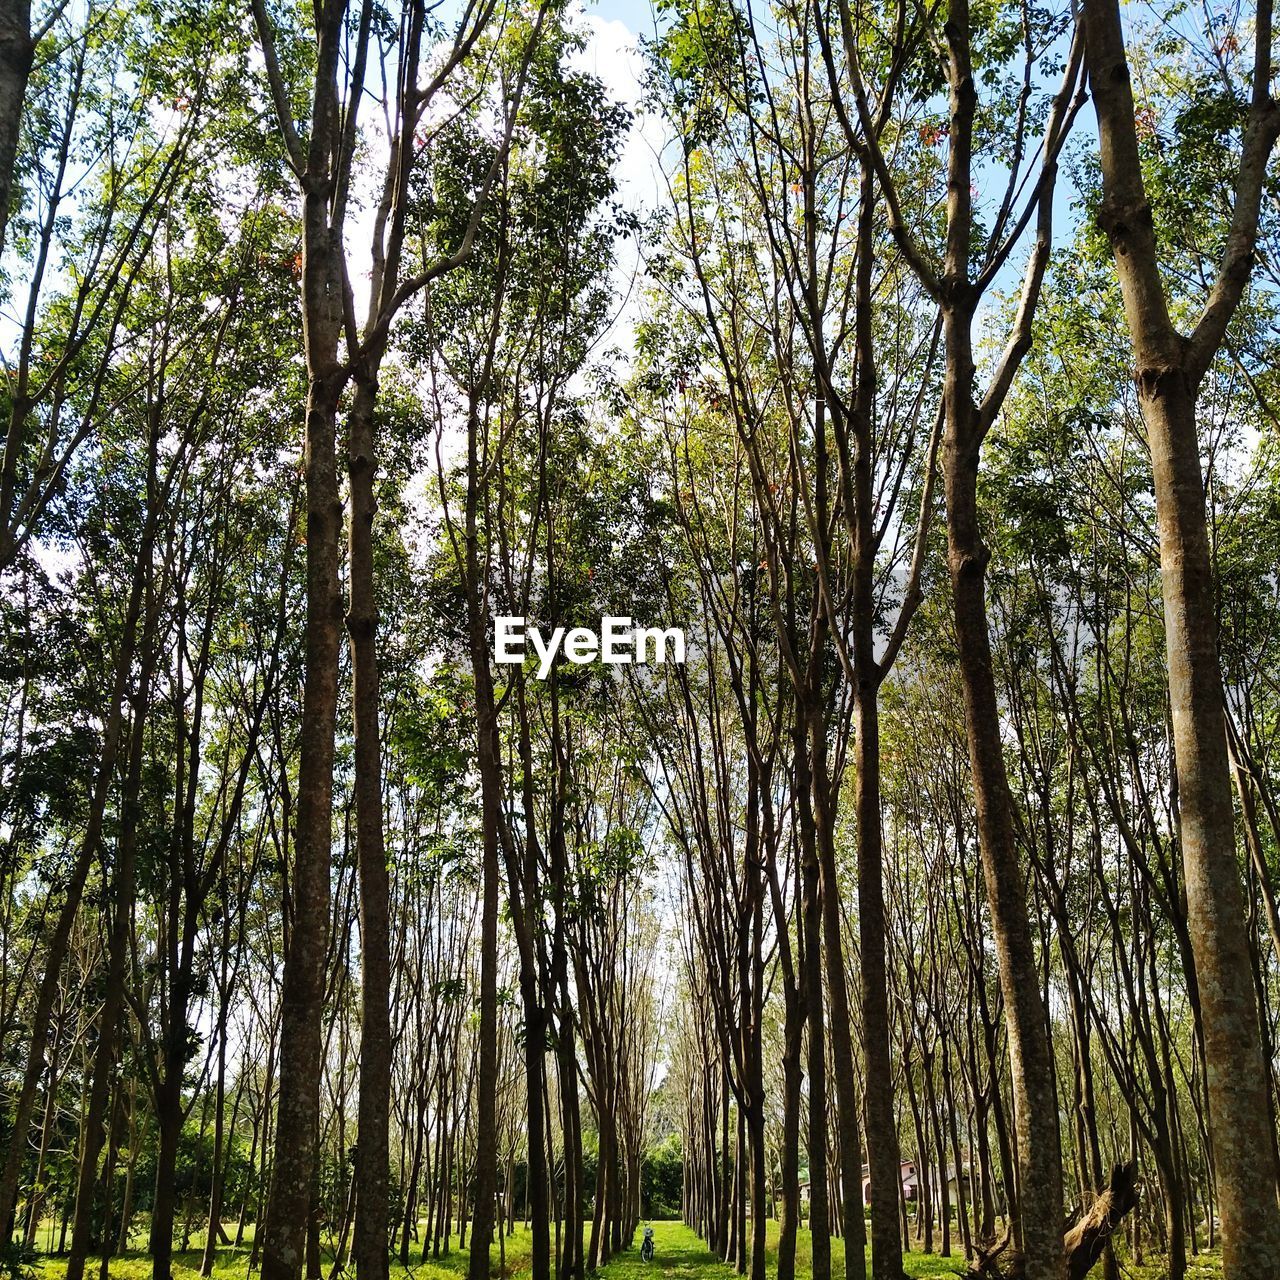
column 1030, row 1054
column 753, row 1112
column 490, row 769
column 792, row 1076
column 884, row 1158
column 848, row 1104
column 572, row 1258
column 373, row 1153
column 164, row 1204
column 819, row 1203
column 324, row 287
column 302, row 1000
column 1170, row 369
column 17, row 52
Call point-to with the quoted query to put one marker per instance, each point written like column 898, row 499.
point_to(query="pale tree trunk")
column 289, row 1201
column 17, row 51
column 1030, row 1052
column 1169, row 371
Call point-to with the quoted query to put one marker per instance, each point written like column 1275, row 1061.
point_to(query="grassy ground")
column 681, row 1255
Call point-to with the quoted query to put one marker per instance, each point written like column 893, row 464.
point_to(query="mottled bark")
column 1031, row 1058
column 302, row 1000
column 17, row 51
column 370, row 1177
column 1169, row 371
column 289, row 1203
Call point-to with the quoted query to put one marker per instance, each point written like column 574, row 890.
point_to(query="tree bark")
column 819, row 1202
column 883, row 1154
column 1169, row 370
column 302, row 1000
column 372, row 1158
column 489, row 760
column 17, row 52
column 1030, row 1054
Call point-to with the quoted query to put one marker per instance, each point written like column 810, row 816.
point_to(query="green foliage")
column 18, row 1261
column 662, row 1181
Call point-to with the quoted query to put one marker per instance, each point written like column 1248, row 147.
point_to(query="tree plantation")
column 646, row 624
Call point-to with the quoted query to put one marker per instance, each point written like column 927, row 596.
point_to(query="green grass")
column 680, row 1255
column 232, row 1263
column 689, row 1256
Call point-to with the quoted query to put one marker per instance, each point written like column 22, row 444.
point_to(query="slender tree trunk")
column 884, row 1158
column 17, row 52
column 36, row 1200
column 490, row 767
column 792, row 1076
column 1169, row 371
column 373, row 1153
column 169, row 1109
column 819, row 1203
column 126, row 1202
column 324, row 288
column 572, row 1261
column 213, row 1221
column 848, row 1104
column 302, row 1002
column 1030, row 1054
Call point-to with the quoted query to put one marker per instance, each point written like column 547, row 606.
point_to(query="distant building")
column 911, row 1182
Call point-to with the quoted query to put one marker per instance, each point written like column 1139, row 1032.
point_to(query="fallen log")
column 1084, row 1240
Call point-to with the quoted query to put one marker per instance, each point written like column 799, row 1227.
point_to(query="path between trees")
column 681, row 1255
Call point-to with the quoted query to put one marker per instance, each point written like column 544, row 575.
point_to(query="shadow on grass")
column 680, row 1255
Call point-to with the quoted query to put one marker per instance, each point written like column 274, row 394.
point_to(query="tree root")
column 1084, row 1238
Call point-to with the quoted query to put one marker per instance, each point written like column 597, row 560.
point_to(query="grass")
column 232, row 1263
column 680, row 1255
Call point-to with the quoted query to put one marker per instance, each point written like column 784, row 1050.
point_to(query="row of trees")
column 241, row 965
column 830, row 338
column 323, row 931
